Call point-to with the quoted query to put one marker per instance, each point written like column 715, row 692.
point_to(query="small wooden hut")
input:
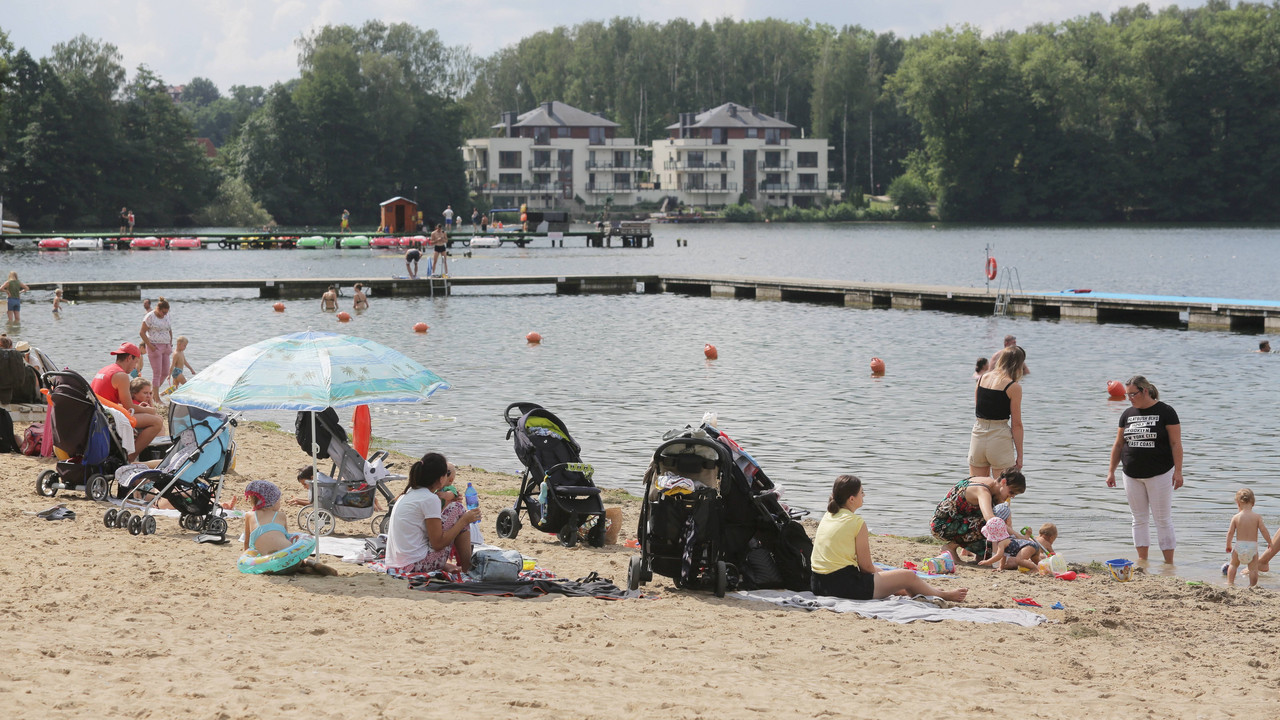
column 400, row 215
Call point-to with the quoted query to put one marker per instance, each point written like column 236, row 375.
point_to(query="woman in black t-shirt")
column 1149, row 445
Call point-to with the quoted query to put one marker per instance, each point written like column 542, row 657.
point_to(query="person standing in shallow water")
column 995, row 442
column 1149, row 446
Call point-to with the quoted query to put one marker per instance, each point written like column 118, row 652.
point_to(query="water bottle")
column 473, row 500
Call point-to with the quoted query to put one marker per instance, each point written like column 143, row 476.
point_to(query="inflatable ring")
column 299, row 548
column 991, row 268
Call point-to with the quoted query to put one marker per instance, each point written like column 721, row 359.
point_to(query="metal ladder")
column 443, row 283
column 1010, row 284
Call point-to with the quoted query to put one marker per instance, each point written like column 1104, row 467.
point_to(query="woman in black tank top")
column 996, row 441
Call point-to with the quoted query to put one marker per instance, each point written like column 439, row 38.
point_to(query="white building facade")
column 556, row 155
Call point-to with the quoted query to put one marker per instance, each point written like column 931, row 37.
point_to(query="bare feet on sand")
column 956, row 595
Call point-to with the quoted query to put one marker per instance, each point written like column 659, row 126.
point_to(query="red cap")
column 127, row 348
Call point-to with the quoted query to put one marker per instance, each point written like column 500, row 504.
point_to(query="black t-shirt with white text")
column 1146, row 451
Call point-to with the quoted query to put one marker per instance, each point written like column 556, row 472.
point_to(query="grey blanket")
column 895, row 608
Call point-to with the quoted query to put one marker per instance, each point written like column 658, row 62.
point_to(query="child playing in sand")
column 269, row 533
column 178, row 363
column 1244, row 529
column 1027, row 552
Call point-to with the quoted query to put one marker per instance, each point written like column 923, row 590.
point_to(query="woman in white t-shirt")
column 157, row 338
column 421, row 533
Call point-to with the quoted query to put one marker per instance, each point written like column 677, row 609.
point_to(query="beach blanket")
column 591, row 586
column 894, row 609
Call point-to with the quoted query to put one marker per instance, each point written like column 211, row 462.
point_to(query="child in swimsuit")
column 178, row 363
column 1245, row 528
column 266, row 531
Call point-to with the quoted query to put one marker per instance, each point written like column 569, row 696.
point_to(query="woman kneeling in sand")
column 841, row 558
column 421, row 532
column 970, row 506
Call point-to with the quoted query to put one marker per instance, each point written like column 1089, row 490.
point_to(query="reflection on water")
column 792, row 382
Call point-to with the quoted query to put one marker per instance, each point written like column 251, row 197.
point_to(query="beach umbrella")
column 309, row 371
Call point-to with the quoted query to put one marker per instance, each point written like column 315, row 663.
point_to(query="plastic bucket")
column 1057, row 565
column 1121, row 570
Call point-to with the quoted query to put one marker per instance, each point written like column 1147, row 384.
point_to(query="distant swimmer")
column 1264, row 346
column 1009, row 341
column 360, row 301
column 329, row 300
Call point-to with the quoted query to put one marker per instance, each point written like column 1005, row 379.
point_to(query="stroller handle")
column 720, row 449
column 523, row 408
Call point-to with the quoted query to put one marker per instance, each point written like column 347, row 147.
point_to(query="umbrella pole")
column 315, row 478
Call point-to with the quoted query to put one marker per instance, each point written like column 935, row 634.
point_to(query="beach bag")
column 492, row 565
column 32, row 439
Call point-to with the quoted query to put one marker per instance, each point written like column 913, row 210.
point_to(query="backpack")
column 32, row 439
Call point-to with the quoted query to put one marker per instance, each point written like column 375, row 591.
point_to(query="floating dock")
column 1157, row 310
column 630, row 237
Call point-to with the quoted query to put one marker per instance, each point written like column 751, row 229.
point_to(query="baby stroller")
column 556, row 491
column 85, row 436
column 348, row 491
column 711, row 518
column 189, row 476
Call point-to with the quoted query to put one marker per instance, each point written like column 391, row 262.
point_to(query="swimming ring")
column 300, row 547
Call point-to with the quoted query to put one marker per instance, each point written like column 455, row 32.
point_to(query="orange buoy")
column 361, row 430
column 279, row 307
column 533, row 338
column 877, row 366
column 344, row 316
column 710, row 351
column 420, row 327
column 1115, row 389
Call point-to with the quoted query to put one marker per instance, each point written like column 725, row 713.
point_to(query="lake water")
column 792, row 383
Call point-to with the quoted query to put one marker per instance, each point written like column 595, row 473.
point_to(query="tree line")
column 1159, row 115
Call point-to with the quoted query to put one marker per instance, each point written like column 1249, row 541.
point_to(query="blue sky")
column 250, row 42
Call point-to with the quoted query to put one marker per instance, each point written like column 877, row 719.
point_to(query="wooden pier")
column 289, row 240
column 1170, row 311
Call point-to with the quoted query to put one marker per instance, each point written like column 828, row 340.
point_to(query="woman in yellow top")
column 841, row 558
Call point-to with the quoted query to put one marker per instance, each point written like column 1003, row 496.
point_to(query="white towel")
column 123, row 429
column 894, row 608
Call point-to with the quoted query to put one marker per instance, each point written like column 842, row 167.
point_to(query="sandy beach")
column 97, row 622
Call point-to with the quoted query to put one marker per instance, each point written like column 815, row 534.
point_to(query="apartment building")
column 548, row 156
column 715, row 157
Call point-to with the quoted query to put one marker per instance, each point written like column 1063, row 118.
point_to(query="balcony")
column 697, row 166
column 494, row 188
column 710, row 189
column 535, row 166
column 642, row 165
column 776, row 165
column 608, row 188
column 477, row 166
column 795, row 188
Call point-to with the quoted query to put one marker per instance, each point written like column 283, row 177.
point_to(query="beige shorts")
column 991, row 444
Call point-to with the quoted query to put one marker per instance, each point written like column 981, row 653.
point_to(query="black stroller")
column 556, row 491
column 189, row 477
column 711, row 518
column 89, row 450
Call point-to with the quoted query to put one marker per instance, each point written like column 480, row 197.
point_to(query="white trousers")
column 1151, row 498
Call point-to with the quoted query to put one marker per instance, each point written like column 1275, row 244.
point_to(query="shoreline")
column 104, row 623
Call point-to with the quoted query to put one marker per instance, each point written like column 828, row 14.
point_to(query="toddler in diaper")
column 1242, row 538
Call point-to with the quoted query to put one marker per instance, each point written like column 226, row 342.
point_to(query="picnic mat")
column 894, row 608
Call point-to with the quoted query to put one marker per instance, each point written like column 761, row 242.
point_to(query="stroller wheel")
column 635, row 572
column 508, row 524
column 319, row 522
column 122, row 520
column 135, row 525
column 109, row 517
column 44, row 483
column 97, row 488
column 722, row 578
column 149, row 525
column 568, row 535
column 215, row 525
column 379, row 524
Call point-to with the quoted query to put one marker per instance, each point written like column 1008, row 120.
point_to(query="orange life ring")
column 991, row 268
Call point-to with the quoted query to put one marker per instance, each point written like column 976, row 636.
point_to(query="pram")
column 189, row 476
column 89, row 450
column 556, row 491
column 348, row 491
column 711, row 518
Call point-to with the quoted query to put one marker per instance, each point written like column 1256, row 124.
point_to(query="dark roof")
column 557, row 114
column 732, row 115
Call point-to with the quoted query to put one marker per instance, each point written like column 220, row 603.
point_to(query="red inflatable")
column 344, row 316
column 361, row 430
column 278, row 307
column 533, row 338
column 710, row 351
column 1115, row 389
column 877, row 366
column 420, row 327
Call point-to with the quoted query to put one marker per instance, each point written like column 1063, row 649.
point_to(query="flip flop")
column 1027, row 601
column 61, row 513
column 211, row 539
column 46, row 513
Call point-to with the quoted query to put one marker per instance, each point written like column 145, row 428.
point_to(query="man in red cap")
column 112, row 383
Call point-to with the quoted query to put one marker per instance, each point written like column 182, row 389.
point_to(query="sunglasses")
column 1134, row 393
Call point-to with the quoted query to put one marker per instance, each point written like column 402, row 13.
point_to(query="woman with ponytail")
column 421, row 532
column 841, row 560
